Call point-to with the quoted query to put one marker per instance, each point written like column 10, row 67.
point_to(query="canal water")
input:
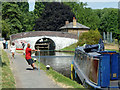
column 59, row 61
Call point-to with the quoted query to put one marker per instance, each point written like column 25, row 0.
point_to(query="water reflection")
column 59, row 64
column 45, row 53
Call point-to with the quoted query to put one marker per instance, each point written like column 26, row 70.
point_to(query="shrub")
column 116, row 41
column 91, row 37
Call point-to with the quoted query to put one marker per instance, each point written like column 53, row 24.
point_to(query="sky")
column 31, row 5
column 94, row 4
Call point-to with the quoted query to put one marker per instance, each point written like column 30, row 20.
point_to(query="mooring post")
column 39, row 61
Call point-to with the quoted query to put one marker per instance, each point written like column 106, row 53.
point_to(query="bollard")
column 47, row 67
column 72, row 71
column 39, row 62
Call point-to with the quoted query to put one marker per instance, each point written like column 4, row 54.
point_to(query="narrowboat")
column 96, row 68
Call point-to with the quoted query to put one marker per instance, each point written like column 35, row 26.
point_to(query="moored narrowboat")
column 96, row 68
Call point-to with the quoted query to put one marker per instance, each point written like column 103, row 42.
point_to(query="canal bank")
column 60, row 63
column 60, row 79
column 27, row 78
column 6, row 75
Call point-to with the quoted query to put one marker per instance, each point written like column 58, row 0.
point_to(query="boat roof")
column 94, row 54
column 90, row 53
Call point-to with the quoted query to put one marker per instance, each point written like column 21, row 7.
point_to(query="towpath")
column 27, row 78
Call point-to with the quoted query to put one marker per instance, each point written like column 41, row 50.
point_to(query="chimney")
column 74, row 22
column 66, row 22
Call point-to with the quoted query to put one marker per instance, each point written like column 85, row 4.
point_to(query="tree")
column 27, row 17
column 12, row 15
column 53, row 17
column 24, row 6
column 5, row 29
column 109, row 21
column 28, row 21
column 16, row 18
column 91, row 37
column 39, row 7
column 85, row 16
column 105, row 20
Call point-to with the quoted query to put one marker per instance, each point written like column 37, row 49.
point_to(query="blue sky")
column 101, row 5
column 94, row 4
column 31, row 5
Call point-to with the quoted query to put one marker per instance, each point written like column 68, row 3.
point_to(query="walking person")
column 23, row 45
column 13, row 49
column 6, row 44
column 28, row 58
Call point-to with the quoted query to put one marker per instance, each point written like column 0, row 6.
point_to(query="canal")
column 59, row 61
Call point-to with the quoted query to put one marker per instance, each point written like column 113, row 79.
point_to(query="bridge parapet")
column 43, row 33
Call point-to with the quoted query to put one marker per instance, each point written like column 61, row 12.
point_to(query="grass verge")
column 73, row 46
column 8, row 80
column 70, row 48
column 63, row 81
column 19, row 51
column 112, row 50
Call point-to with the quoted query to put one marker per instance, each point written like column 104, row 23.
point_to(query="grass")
column 8, row 80
column 112, row 50
column 19, row 51
column 70, row 48
column 65, row 82
column 73, row 46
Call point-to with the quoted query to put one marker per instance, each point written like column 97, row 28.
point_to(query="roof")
column 78, row 26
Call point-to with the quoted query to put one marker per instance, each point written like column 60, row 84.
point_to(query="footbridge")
column 44, row 39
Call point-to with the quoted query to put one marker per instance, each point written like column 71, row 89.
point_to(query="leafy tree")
column 39, row 7
column 109, row 21
column 5, row 29
column 105, row 20
column 28, row 21
column 90, row 19
column 85, row 16
column 27, row 18
column 91, row 37
column 12, row 15
column 53, row 17
column 24, row 6
column 0, row 26
column 16, row 18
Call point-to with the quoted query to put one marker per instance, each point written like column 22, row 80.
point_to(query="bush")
column 91, row 37
column 116, row 41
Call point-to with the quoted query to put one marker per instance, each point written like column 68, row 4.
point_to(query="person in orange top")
column 28, row 58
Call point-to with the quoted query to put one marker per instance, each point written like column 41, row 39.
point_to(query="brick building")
column 74, row 27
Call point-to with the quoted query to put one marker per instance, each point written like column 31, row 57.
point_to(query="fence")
column 108, row 37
